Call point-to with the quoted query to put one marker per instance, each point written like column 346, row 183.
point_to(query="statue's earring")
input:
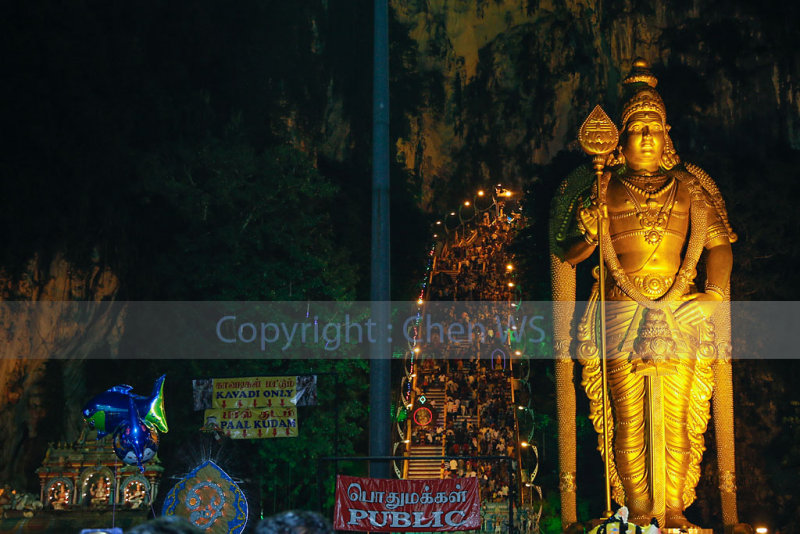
column 669, row 158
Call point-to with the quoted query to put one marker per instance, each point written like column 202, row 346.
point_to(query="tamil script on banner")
column 385, row 505
column 255, row 392
column 253, row 423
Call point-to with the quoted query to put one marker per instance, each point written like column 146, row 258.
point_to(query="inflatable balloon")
column 133, row 419
column 106, row 411
column 135, row 443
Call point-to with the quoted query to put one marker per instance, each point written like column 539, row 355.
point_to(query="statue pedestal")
column 687, row 531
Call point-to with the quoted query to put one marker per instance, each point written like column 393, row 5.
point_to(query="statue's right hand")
column 697, row 307
column 587, row 222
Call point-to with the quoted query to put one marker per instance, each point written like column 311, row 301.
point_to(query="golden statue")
column 666, row 342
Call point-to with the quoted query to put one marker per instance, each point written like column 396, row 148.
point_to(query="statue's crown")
column 640, row 86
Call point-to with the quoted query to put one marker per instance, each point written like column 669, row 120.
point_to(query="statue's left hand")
column 697, row 306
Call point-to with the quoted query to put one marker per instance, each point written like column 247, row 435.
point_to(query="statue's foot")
column 678, row 520
column 640, row 512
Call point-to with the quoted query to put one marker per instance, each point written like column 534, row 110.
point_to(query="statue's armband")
column 717, row 232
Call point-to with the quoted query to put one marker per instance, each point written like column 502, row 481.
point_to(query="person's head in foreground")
column 295, row 522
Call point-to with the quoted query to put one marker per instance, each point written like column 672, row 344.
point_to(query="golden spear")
column 598, row 137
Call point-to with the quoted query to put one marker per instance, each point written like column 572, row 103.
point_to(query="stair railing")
column 444, row 421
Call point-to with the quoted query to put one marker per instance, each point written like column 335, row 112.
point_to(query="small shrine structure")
column 88, row 475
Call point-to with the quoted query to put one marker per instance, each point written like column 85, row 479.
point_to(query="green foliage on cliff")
column 225, row 222
column 205, row 152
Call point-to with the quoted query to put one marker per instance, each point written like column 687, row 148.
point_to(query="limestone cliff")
column 41, row 397
column 505, row 86
column 507, row 83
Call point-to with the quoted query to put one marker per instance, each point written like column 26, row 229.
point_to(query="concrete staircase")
column 471, row 416
column 466, row 420
column 419, row 469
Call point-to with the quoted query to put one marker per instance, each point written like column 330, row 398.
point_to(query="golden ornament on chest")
column 655, row 216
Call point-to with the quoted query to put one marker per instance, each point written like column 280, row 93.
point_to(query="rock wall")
column 505, row 86
column 508, row 83
column 41, row 397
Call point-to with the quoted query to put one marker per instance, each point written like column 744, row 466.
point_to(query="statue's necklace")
column 645, row 185
column 694, row 248
column 655, row 216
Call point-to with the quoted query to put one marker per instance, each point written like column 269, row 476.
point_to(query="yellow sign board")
column 254, row 392
column 253, row 423
column 256, row 407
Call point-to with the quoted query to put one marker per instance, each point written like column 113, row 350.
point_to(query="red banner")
column 384, row 505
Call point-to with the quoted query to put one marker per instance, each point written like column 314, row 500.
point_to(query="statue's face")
column 644, row 141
